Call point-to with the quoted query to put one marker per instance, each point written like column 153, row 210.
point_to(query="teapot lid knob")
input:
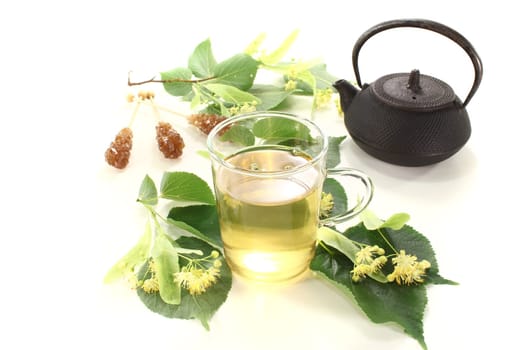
column 413, row 91
column 413, row 81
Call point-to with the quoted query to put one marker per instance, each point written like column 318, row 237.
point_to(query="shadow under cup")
column 268, row 174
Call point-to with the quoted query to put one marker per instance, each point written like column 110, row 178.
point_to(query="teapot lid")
column 414, row 91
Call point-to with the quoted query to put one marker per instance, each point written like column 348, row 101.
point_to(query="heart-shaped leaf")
column 238, row 71
column 200, row 220
column 280, row 128
column 148, row 192
column 239, row 134
column 381, row 302
column 333, row 156
column 202, row 62
column 185, row 188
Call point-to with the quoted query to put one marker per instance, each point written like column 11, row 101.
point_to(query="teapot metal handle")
column 429, row 25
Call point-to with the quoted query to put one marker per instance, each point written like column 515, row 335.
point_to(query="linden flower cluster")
column 407, row 269
column 368, row 260
column 322, row 98
column 327, row 204
column 290, row 85
column 149, row 285
column 195, row 278
column 246, row 107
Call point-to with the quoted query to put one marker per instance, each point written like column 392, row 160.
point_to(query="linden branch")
column 174, row 80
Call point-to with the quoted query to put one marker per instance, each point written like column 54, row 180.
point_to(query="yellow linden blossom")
column 234, row 110
column 290, row 85
column 407, row 269
column 368, row 259
column 327, row 204
column 151, row 285
column 196, row 279
column 367, row 254
column 246, row 107
column 322, row 98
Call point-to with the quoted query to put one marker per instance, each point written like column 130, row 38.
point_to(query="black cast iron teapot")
column 408, row 119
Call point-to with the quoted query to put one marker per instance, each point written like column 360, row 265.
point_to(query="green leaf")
column 185, row 188
column 238, row 71
column 200, row 220
column 333, row 187
column 135, row 257
column 177, row 88
column 231, row 94
column 333, row 157
column 381, row 302
column 201, row 307
column 202, row 62
column 270, row 96
column 278, row 54
column 148, row 192
column 183, row 229
column 166, row 261
column 390, row 302
column 239, row 134
column 274, row 128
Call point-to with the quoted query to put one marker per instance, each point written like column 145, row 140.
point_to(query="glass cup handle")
column 365, row 195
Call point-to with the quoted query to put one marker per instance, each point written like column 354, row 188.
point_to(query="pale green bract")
column 278, row 54
column 135, row 257
column 372, row 222
column 231, row 94
column 166, row 259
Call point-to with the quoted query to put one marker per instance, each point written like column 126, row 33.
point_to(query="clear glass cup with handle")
column 268, row 174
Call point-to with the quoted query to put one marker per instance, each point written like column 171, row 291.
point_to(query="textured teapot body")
column 405, row 137
column 408, row 119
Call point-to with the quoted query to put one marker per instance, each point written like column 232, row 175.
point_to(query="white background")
column 68, row 216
